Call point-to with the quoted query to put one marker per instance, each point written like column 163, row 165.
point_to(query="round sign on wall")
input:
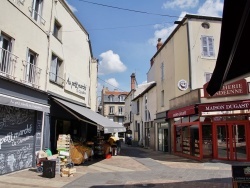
column 182, row 85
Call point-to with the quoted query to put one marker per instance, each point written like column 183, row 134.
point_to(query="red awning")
column 235, row 105
column 185, row 111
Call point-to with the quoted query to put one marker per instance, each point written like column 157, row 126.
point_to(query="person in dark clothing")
column 118, row 145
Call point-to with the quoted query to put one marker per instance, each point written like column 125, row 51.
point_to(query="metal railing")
column 19, row 2
column 36, row 16
column 56, row 79
column 32, row 74
column 119, row 113
column 7, row 63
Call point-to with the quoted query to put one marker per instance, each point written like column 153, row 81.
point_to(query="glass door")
column 239, row 142
column 231, row 141
column 223, row 146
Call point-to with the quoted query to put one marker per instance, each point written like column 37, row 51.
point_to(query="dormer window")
column 122, row 98
column 111, row 98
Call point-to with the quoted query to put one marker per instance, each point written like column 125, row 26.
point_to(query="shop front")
column 83, row 124
column 22, row 126
column 163, row 132
column 187, row 131
column 229, row 129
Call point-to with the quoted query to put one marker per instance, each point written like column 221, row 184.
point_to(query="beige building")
column 48, row 80
column 185, row 62
column 189, row 121
column 140, row 112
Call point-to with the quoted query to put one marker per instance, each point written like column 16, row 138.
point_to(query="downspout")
column 189, row 58
column 48, row 36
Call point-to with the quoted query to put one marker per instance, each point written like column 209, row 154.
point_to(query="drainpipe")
column 189, row 58
column 48, row 52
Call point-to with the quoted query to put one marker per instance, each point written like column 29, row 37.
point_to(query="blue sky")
column 124, row 41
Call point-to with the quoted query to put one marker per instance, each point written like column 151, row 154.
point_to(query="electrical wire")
column 111, row 84
column 131, row 10
column 120, row 27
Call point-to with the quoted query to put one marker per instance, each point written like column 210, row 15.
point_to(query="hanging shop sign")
column 75, row 85
column 237, row 105
column 182, row 85
column 236, row 88
column 188, row 110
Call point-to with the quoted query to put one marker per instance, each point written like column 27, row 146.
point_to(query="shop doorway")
column 230, row 141
column 163, row 140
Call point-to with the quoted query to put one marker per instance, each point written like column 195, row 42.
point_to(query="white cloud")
column 112, row 82
column 181, row 4
column 72, row 8
column 110, row 63
column 211, row 8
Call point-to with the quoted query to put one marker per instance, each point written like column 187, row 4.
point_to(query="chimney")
column 159, row 44
column 132, row 81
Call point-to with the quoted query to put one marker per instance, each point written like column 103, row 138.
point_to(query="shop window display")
column 187, row 139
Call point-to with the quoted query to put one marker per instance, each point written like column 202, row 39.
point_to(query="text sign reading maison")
column 224, row 106
column 75, row 85
column 236, row 88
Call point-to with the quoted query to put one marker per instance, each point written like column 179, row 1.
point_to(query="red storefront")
column 218, row 130
column 230, row 130
column 186, row 131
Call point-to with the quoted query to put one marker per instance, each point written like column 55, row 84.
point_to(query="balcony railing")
column 119, row 113
column 19, row 2
column 56, row 79
column 36, row 16
column 7, row 63
column 32, row 74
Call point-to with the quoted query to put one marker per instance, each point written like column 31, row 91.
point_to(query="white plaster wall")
column 74, row 50
column 27, row 33
column 199, row 64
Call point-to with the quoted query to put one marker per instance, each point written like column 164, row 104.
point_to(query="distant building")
column 112, row 105
column 140, row 109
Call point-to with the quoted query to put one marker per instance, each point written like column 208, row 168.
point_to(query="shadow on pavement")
column 209, row 183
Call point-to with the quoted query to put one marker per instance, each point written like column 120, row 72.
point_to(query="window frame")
column 162, row 71
column 120, row 110
column 30, row 73
column 111, row 109
column 53, row 77
column 207, row 46
column 57, row 30
column 162, row 98
column 111, row 98
column 121, row 98
column 5, row 52
column 138, row 107
column 206, row 76
column 37, row 6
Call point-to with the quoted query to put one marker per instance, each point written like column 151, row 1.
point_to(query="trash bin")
column 49, row 169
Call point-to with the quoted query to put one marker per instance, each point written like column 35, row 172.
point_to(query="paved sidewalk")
column 135, row 167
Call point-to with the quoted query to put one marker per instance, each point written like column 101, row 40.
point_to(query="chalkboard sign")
column 16, row 138
column 241, row 176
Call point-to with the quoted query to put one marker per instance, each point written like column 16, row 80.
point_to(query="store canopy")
column 232, row 61
column 108, row 125
column 21, row 103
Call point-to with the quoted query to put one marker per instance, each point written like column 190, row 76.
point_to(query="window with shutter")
column 207, row 46
column 56, row 71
